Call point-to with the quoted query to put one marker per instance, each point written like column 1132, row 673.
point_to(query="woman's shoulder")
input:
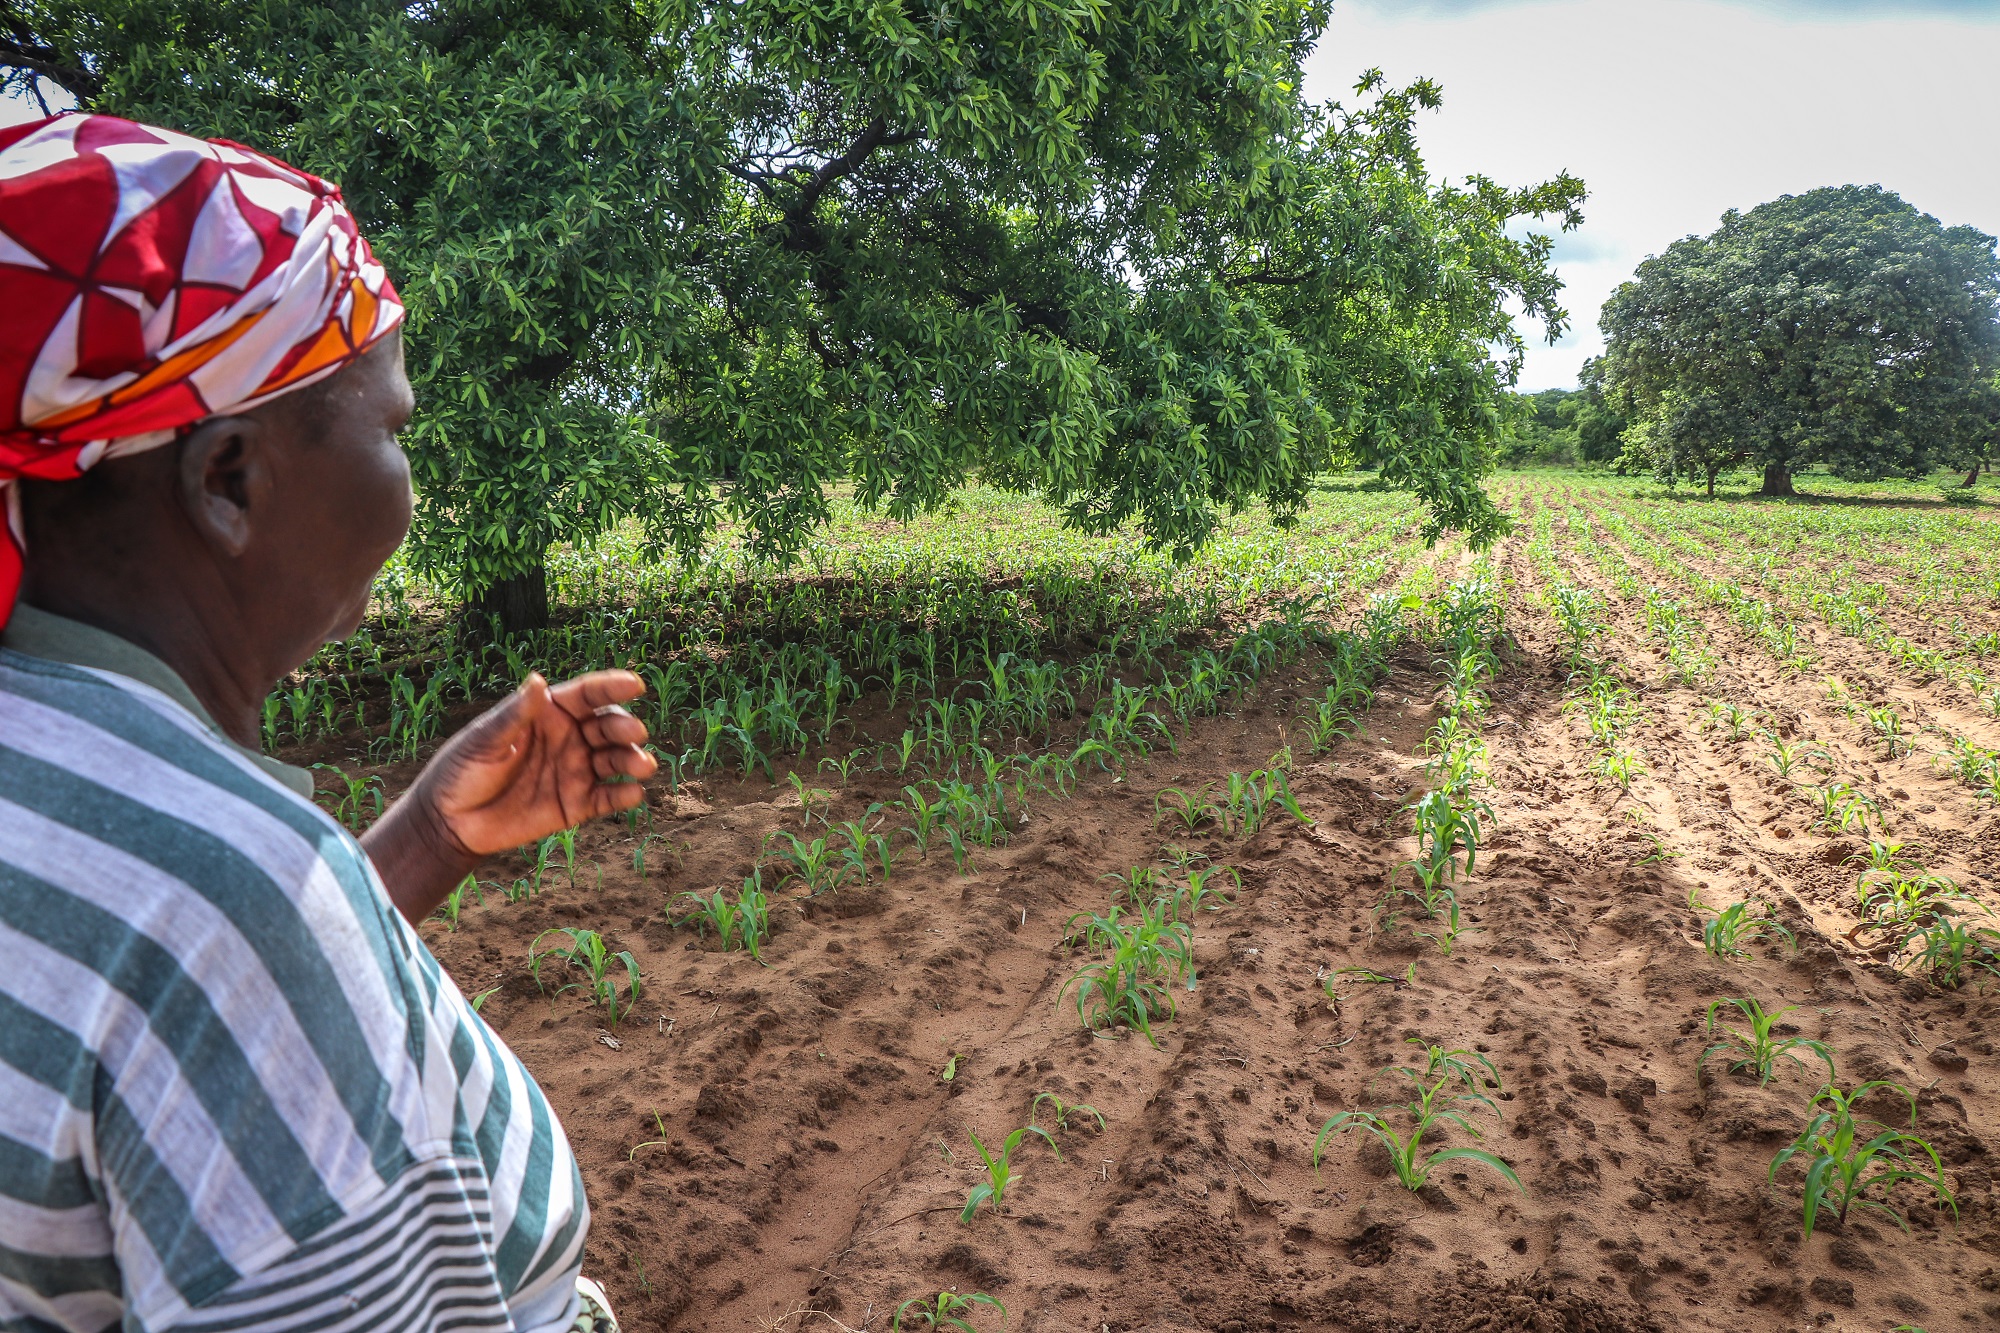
column 139, row 849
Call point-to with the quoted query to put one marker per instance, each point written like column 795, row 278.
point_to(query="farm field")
column 1199, row 852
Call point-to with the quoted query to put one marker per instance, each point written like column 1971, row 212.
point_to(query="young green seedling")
column 1000, row 1170
column 1952, row 951
column 1140, row 957
column 1842, row 1170
column 588, row 951
column 810, row 800
column 1618, row 767
column 1730, row 932
column 813, row 864
column 660, row 1127
column 744, row 924
column 1788, row 757
column 1757, row 1047
column 360, row 803
column 1843, row 807
column 1887, row 725
column 1191, row 811
column 1196, row 895
column 1912, row 901
column 1063, row 1110
column 947, row 1309
column 1446, row 1090
column 454, row 902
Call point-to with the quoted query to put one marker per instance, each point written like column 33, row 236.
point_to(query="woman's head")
column 270, row 523
column 200, row 385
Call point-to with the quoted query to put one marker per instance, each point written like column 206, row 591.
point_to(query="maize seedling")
column 1758, row 1048
column 947, row 1309
column 1446, row 1090
column 1842, row 1170
column 1000, row 1171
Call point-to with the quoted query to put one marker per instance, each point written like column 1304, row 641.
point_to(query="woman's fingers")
column 614, row 726
column 611, row 798
column 583, row 695
column 623, row 761
column 497, row 730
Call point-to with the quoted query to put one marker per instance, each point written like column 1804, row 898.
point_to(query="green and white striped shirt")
column 236, row 1090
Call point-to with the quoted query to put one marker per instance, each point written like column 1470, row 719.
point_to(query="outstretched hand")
column 538, row 762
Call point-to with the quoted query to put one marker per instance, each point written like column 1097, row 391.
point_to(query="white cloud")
column 1673, row 111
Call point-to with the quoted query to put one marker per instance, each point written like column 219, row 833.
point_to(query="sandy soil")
column 774, row 1146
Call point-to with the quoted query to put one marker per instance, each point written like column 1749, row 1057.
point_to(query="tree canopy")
column 696, row 262
column 1839, row 327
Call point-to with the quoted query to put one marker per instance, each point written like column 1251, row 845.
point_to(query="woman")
column 235, row 1089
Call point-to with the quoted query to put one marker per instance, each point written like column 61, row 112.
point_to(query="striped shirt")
column 236, row 1090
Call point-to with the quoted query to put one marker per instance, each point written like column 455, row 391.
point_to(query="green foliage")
column 744, row 924
column 1787, row 757
column 1840, row 326
column 1000, row 1170
column 588, row 952
column 1140, row 956
column 691, row 263
column 357, row 803
column 1730, row 932
column 1247, row 800
column 1843, row 807
column 1191, row 810
column 454, row 902
column 947, row 1309
column 816, row 864
column 1063, row 1110
column 1758, row 1047
column 1593, row 422
column 1842, row 1169
column 1533, row 429
column 1447, row 840
column 1447, row 1089
column 1952, row 951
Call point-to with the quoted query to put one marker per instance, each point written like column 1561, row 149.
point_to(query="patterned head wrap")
column 149, row 280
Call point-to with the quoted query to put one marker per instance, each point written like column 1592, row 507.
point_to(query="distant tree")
column 1985, row 446
column 1533, row 429
column 1597, row 427
column 693, row 262
column 1839, row 327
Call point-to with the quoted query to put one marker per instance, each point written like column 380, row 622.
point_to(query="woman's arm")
column 541, row 761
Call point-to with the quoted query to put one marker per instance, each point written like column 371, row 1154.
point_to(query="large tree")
column 1839, row 327
column 696, row 261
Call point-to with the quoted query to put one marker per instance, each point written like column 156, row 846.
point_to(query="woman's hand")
column 530, row 766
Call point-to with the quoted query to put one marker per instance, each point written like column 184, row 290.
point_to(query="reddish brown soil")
column 773, row 1147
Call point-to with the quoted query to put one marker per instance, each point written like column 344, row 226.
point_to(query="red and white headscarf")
column 149, row 280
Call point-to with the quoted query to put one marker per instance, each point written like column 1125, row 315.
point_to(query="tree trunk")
column 1972, row 477
column 1777, row 480
column 521, row 603
column 1711, row 482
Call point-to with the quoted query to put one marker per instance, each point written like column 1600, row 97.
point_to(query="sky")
column 1673, row 111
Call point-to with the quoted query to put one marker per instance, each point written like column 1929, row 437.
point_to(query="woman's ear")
column 225, row 480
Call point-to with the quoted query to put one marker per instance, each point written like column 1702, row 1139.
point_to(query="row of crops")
column 990, row 662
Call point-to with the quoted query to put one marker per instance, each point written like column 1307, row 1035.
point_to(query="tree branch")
column 875, row 136
column 761, row 179
column 1265, row 277
column 19, row 50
